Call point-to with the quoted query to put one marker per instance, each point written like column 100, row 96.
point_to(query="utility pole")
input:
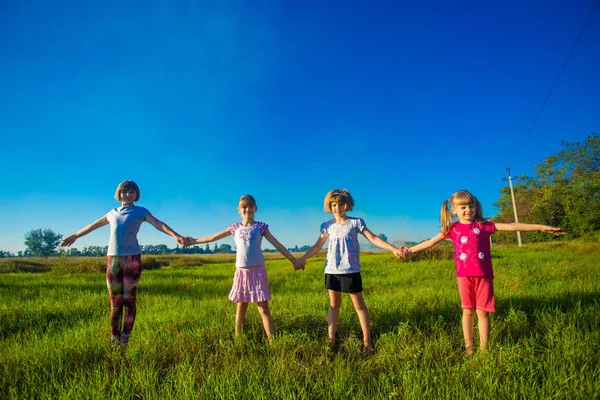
column 512, row 194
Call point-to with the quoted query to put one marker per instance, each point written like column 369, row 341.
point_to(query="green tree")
column 6, row 254
column 223, row 248
column 383, row 236
column 569, row 183
column 565, row 192
column 42, row 243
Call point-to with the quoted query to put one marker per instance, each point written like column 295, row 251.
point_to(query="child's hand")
column 299, row 264
column 405, row 252
column 552, row 230
column 398, row 252
column 188, row 241
column 68, row 241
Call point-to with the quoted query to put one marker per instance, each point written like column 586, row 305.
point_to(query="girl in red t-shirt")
column 471, row 238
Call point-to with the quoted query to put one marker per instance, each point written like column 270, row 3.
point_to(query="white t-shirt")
column 343, row 253
column 124, row 226
column 248, row 243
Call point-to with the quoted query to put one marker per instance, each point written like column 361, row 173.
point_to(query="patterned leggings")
column 122, row 276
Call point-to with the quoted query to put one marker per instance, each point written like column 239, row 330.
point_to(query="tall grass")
column 545, row 338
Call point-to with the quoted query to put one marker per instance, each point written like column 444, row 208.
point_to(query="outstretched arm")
column 209, row 238
column 100, row 222
column 269, row 236
column 379, row 242
column 313, row 250
column 427, row 243
column 519, row 226
column 161, row 226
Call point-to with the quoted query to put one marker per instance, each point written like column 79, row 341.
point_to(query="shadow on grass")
column 199, row 292
column 14, row 266
column 45, row 321
column 445, row 318
column 527, row 309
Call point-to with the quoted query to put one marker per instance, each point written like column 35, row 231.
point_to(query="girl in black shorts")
column 342, row 268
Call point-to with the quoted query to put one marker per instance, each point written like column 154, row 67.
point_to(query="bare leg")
column 468, row 321
column 333, row 315
column 363, row 316
column 267, row 320
column 240, row 317
column 483, row 320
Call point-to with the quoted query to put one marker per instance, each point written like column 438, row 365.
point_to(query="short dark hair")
column 127, row 185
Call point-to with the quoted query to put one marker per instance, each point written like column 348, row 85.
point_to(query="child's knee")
column 116, row 301
column 361, row 307
column 129, row 300
column 469, row 312
column 264, row 310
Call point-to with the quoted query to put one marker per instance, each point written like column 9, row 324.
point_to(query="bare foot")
column 368, row 350
column 470, row 351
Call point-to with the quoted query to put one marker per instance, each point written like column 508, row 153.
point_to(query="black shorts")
column 347, row 283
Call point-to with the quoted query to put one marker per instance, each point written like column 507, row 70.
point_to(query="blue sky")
column 401, row 103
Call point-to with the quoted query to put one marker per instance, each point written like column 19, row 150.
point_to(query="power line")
column 537, row 117
column 581, row 87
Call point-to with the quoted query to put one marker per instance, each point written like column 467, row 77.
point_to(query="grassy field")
column 545, row 338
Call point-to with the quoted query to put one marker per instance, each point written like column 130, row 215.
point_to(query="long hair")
column 462, row 197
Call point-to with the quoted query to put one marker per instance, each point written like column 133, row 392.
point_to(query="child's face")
column 128, row 196
column 338, row 208
column 464, row 212
column 247, row 211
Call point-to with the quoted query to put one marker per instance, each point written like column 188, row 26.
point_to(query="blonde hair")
column 338, row 196
column 127, row 185
column 246, row 200
column 462, row 197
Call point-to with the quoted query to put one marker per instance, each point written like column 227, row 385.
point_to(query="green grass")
column 545, row 338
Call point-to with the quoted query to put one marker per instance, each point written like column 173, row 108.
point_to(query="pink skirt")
column 250, row 285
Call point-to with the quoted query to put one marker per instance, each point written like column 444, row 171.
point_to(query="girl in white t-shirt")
column 342, row 266
column 250, row 284
column 124, row 259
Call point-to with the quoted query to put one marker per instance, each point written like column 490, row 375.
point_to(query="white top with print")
column 248, row 243
column 343, row 253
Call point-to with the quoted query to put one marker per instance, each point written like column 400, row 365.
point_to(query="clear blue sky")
column 402, row 103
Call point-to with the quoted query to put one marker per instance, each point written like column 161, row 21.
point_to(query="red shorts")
column 477, row 292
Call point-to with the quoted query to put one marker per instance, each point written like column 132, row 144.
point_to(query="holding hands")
column 404, row 252
column 399, row 252
column 188, row 241
column 299, row 263
column 180, row 239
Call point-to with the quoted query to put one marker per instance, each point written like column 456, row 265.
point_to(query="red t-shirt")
column 472, row 248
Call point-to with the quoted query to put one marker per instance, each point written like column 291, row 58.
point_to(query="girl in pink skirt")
column 250, row 284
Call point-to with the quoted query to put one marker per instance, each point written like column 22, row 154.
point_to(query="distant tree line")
column 44, row 243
